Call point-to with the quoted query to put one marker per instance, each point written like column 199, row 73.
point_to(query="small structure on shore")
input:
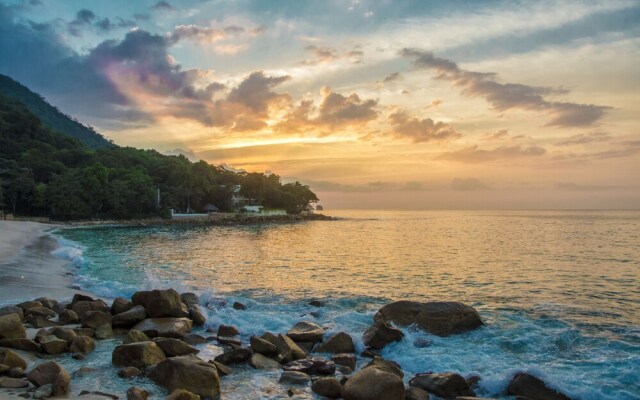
column 319, row 208
column 210, row 208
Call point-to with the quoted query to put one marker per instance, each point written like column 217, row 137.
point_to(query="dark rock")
column 347, row 360
column 341, row 342
column 306, row 331
column 53, row 345
column 129, row 372
column 50, row 372
column 120, row 305
column 68, row 317
column 306, row 346
column 130, row 317
column 96, row 393
column 78, row 356
column 66, row 334
column 37, row 321
column 134, row 336
column 197, row 316
column 165, row 327
column 82, row 344
column 438, row 318
column 6, row 310
column 269, row 337
column 16, row 372
column 40, row 312
column 223, row 370
column 239, row 306
column 381, row 334
column 12, row 383
column 188, row 373
column 294, row 378
column 262, row 346
column 174, row 347
column 161, row 303
column 258, row 361
column 288, row 350
column 83, row 307
column 47, row 302
column 391, row 367
column 234, row 356
column 25, row 305
column 95, row 319
column 21, row 344
column 414, row 393
column 316, row 303
column 372, row 383
column 229, row 340
column 11, row 327
column 136, row 393
column 182, row 394
column 11, row 359
column 193, row 339
column 190, row 299
column 228, row 330
column 104, row 332
column 84, row 332
column 447, row 385
column 312, row 366
column 80, row 297
column 524, row 384
column 139, row 355
column 327, row 387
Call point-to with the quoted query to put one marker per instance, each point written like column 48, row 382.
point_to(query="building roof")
column 210, row 207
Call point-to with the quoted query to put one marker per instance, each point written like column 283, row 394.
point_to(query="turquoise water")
column 560, row 291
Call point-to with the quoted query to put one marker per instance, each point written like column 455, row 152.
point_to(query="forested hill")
column 50, row 116
column 45, row 173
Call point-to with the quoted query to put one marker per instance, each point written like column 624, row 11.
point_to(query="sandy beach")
column 27, row 268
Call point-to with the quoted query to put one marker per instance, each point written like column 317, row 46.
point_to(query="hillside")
column 50, row 116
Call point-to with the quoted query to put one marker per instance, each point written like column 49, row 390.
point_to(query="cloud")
column 369, row 187
column 506, row 96
column 255, row 91
column 195, row 32
column 467, row 184
column 583, row 138
column 497, row 135
column 87, row 19
column 420, row 130
column 473, row 154
column 571, row 186
column 182, row 152
column 324, row 55
column 396, row 76
column 162, row 6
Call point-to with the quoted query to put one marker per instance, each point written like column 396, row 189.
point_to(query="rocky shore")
column 153, row 339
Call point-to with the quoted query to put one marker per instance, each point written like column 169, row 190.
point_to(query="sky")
column 374, row 104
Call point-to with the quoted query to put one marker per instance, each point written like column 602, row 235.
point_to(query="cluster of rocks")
column 157, row 342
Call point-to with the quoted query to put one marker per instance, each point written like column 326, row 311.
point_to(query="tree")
column 297, row 196
column 19, row 188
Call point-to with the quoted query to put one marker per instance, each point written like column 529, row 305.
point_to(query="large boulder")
column 161, row 303
column 11, row 359
column 441, row 318
column 228, row 331
column 130, row 317
column 20, row 344
column 391, row 367
column 288, row 350
column 190, row 299
column 306, row 331
column 84, row 306
column 174, row 347
column 197, row 316
column 381, row 334
column 262, row 346
column 312, row 366
column 327, row 387
column 53, row 345
column 68, row 317
column 95, row 319
column 189, row 373
column 11, row 327
column 446, row 385
column 165, row 327
column 6, row 310
column 120, row 305
column 25, row 305
column 139, row 355
column 258, row 361
column 134, row 336
column 66, row 334
column 294, row 378
column 51, row 372
column 339, row 343
column 40, row 311
column 82, row 344
column 234, row 355
column 373, row 383
column 526, row 385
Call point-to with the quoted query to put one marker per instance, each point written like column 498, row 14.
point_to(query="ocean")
column 559, row 290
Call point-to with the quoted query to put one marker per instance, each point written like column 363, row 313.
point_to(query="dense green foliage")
column 43, row 173
column 50, row 116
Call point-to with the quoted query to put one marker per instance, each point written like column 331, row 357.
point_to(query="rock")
column 43, row 391
column 312, row 366
column 11, row 327
column 16, row 372
column 234, row 356
column 129, row 372
column 130, row 317
column 25, row 305
column 47, row 302
column 83, row 371
column 78, row 356
column 80, row 297
column 239, row 306
column 134, row 336
column 103, row 332
column 41, row 312
column 39, row 322
column 372, row 383
column 258, row 361
column 11, row 359
column 269, row 337
column 96, row 393
column 228, row 330
column 95, row 319
column 188, row 373
column 161, row 303
column 82, row 344
column 197, row 316
column 68, row 317
column 414, row 393
column 447, row 385
column 165, row 327
column 316, row 303
column 51, row 372
column 12, row 383
column 347, row 360
column 21, row 344
column 381, row 334
column 339, row 343
column 190, row 299
column 84, row 332
column 181, row 394
column 4, row 369
column 391, row 367
column 193, row 339
column 438, row 317
column 139, row 355
column 261, row 346
column 6, row 310
column 306, row 331
column 174, row 347
column 526, row 385
column 66, row 334
column 83, row 307
column 229, row 340
column 294, row 378
column 53, row 345
column 327, row 387
column 120, row 305
column 288, row 350
column 136, row 393
column 223, row 370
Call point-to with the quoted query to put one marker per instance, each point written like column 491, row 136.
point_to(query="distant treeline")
column 43, row 173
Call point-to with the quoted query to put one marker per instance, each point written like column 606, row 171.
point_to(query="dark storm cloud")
column 506, row 96
column 87, row 19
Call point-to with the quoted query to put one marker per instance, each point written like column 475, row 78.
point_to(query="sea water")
column 559, row 290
